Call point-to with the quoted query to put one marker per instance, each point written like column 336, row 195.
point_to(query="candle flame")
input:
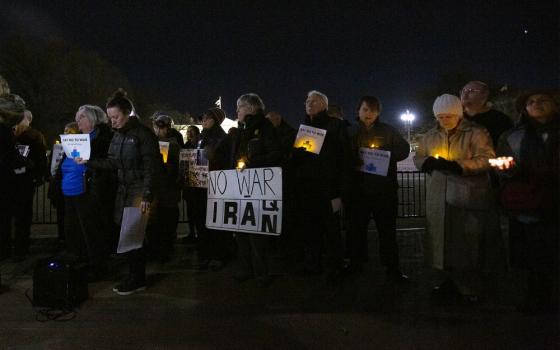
column 240, row 165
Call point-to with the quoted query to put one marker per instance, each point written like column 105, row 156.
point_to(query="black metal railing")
column 411, row 194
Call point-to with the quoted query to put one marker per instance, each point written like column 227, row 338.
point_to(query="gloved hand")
column 449, row 166
column 429, row 165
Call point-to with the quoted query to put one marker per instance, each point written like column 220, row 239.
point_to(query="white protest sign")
column 310, row 138
column 407, row 164
column 76, row 145
column 57, row 153
column 196, row 175
column 375, row 161
column 164, row 150
column 23, row 150
column 245, row 201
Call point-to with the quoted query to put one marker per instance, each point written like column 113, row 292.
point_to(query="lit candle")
column 240, row 165
column 372, row 146
column 437, row 155
column 501, row 162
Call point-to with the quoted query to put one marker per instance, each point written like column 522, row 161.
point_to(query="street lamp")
column 408, row 118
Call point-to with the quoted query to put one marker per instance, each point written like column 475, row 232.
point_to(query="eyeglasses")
column 467, row 91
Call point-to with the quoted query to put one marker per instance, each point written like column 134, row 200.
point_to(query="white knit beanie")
column 448, row 104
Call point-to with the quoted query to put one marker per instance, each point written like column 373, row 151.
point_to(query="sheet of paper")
column 375, row 161
column 310, row 138
column 57, row 153
column 76, row 145
column 133, row 230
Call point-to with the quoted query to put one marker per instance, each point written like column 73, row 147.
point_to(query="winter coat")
column 454, row 233
column 257, row 144
column 385, row 138
column 217, row 147
column 10, row 159
column 36, row 160
column 134, row 153
column 494, row 121
column 537, row 164
column 326, row 174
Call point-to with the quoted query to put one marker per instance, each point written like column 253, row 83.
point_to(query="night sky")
column 190, row 52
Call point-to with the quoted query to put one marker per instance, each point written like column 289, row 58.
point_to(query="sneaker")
column 129, row 287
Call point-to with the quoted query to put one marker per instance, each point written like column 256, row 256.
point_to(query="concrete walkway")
column 186, row 309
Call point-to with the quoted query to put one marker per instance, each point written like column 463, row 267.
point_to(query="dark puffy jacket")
column 385, row 138
column 257, row 144
column 328, row 173
column 134, row 152
column 37, row 162
column 10, row 160
column 216, row 144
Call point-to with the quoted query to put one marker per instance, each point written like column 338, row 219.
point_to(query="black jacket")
column 134, row 152
column 36, row 160
column 10, row 160
column 257, row 144
column 328, row 173
column 385, row 138
column 216, row 144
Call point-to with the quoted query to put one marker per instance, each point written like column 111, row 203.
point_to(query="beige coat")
column 454, row 234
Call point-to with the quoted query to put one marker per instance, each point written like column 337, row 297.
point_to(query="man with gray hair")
column 477, row 108
column 321, row 187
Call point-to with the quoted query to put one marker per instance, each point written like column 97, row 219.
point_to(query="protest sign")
column 245, row 201
column 164, row 150
column 23, row 150
column 374, row 161
column 194, row 165
column 56, row 157
column 76, row 145
column 310, row 138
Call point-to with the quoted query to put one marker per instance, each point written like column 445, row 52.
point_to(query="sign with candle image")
column 247, row 201
column 310, row 138
column 164, row 150
column 374, row 161
column 194, row 165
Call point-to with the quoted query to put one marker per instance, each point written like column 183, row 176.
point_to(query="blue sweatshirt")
column 72, row 177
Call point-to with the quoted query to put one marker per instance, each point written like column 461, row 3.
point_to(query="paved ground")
column 186, row 309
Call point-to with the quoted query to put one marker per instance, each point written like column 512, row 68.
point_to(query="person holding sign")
column 322, row 179
column 256, row 146
column 455, row 154
column 134, row 154
column 164, row 215
column 86, row 191
column 377, row 147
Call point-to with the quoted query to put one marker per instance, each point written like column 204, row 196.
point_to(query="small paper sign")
column 310, row 138
column 76, row 145
column 57, row 153
column 194, row 165
column 164, row 150
column 23, row 150
column 375, row 161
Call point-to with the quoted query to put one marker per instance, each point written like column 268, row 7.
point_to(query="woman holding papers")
column 134, row 154
column 455, row 154
column 377, row 147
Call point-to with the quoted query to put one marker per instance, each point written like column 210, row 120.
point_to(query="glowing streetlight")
column 408, row 118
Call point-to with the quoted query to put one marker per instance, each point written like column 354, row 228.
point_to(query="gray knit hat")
column 12, row 108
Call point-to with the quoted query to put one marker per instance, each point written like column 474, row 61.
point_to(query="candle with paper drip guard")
column 501, row 162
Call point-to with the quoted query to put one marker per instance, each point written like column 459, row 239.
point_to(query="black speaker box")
column 60, row 282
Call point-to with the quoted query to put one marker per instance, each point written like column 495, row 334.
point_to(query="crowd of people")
column 466, row 191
